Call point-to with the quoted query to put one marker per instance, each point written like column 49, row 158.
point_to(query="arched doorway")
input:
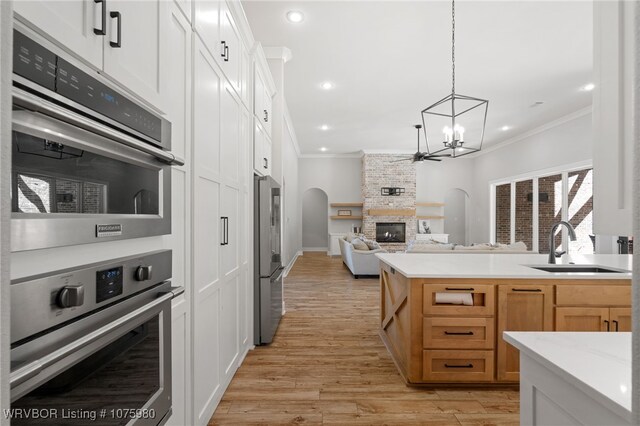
column 315, row 220
column 456, row 216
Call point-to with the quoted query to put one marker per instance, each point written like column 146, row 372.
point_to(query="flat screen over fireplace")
column 390, row 232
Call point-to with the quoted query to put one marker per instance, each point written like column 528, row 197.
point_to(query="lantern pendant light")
column 451, row 112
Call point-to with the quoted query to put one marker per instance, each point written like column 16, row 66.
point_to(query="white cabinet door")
column 267, row 104
column 132, row 47
column 71, row 23
column 207, row 384
column 245, row 77
column 231, row 55
column 267, row 155
column 207, row 25
column 258, row 96
column 229, row 335
column 258, row 149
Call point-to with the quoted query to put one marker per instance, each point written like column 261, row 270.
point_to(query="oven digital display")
column 108, row 284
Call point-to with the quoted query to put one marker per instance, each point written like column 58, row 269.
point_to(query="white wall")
column 455, row 213
column 339, row 177
column 291, row 221
column 434, row 180
column 561, row 144
column 315, row 232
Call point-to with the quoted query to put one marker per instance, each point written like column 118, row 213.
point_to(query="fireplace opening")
column 390, row 232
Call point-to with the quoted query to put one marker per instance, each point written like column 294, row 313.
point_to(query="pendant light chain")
column 453, row 47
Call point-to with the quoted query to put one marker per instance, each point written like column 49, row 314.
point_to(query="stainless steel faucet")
column 552, row 249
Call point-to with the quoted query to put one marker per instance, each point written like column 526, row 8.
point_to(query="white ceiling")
column 389, row 60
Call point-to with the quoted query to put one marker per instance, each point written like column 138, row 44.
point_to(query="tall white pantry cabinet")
column 195, row 62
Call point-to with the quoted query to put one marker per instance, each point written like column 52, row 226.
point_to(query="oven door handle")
column 51, row 113
column 34, row 368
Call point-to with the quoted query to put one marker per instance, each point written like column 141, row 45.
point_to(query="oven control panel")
column 39, row 65
column 44, row 301
column 108, row 284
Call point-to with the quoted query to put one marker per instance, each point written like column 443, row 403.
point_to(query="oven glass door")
column 127, row 381
column 72, row 186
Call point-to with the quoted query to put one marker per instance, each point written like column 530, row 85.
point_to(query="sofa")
column 430, row 246
column 360, row 260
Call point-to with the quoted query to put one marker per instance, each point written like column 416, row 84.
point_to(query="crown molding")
column 547, row 126
column 358, row 154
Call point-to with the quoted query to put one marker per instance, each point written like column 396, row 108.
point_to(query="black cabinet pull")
column 266, row 163
column 266, row 116
column 118, row 43
column 615, row 322
column 103, row 20
column 530, row 290
column 459, row 366
column 225, row 230
column 608, row 326
column 459, row 333
column 225, row 51
column 459, row 289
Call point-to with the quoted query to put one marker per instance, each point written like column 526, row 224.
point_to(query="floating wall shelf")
column 430, row 204
column 347, row 204
column 346, row 217
column 430, row 217
column 392, row 212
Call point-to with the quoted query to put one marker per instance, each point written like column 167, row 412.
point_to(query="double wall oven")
column 90, row 344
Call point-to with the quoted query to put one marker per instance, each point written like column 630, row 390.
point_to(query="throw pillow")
column 350, row 236
column 371, row 244
column 358, row 244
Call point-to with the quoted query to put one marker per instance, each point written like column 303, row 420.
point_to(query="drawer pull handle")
column 459, row 366
column 608, row 325
column 459, row 289
column 531, row 290
column 459, row 333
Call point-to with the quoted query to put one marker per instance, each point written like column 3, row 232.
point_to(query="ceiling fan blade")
column 432, row 159
column 402, row 159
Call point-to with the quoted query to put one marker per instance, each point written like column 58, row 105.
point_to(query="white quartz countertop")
column 503, row 265
column 599, row 364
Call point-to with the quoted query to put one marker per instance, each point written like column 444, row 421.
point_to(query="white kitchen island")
column 574, row 378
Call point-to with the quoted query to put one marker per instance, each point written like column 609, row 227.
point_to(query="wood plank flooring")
column 327, row 365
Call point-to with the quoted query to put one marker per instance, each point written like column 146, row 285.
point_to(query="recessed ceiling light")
column 588, row 87
column 324, row 127
column 327, row 85
column 505, row 128
column 323, row 149
column 295, row 16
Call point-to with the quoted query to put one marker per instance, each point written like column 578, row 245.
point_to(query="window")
column 526, row 208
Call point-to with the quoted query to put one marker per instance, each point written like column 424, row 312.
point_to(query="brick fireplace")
column 378, row 171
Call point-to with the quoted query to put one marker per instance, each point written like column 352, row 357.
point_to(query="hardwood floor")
column 327, row 365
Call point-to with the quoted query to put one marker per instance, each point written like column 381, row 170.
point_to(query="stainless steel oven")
column 89, row 163
column 92, row 345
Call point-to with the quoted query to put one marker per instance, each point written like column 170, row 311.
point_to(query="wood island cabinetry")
column 434, row 342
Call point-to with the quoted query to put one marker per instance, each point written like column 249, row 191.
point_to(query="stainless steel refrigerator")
column 268, row 268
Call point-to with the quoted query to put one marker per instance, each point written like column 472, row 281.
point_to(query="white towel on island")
column 454, row 299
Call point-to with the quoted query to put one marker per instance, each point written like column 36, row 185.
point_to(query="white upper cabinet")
column 132, row 47
column 262, row 102
column 71, row 23
column 207, row 25
column 186, row 8
column 230, row 47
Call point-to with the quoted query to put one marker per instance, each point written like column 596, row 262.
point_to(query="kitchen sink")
column 579, row 268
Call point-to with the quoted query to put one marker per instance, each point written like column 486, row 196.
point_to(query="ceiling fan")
column 421, row 156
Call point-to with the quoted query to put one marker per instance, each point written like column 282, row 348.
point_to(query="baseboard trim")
column 287, row 269
column 315, row 248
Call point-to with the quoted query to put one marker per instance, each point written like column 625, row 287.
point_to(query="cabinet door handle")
column 530, row 290
column 225, row 230
column 266, row 163
column 224, row 49
column 607, row 323
column 615, row 322
column 459, row 289
column 459, row 333
column 266, row 116
column 459, row 366
column 103, row 18
column 118, row 42
column 226, row 53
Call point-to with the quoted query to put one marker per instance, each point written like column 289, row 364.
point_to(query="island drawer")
column 458, row 333
column 457, row 366
column 593, row 295
column 481, row 295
